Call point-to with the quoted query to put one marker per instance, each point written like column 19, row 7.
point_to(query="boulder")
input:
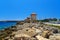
column 55, row 37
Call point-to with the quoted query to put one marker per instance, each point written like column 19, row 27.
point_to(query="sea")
column 4, row 25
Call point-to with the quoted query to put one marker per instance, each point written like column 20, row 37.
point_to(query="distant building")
column 27, row 20
column 33, row 17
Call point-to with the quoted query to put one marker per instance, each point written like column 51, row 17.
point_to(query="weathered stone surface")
column 41, row 38
column 55, row 37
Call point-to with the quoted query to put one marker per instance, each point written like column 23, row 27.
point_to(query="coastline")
column 28, row 30
column 7, row 24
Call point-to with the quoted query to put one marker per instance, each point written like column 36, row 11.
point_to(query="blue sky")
column 20, row 9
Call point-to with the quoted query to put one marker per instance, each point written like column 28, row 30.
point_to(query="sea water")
column 4, row 25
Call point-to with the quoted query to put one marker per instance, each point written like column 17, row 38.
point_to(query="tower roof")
column 33, row 13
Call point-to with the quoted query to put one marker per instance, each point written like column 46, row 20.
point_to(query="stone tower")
column 33, row 17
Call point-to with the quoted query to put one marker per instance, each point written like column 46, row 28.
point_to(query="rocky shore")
column 30, row 31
